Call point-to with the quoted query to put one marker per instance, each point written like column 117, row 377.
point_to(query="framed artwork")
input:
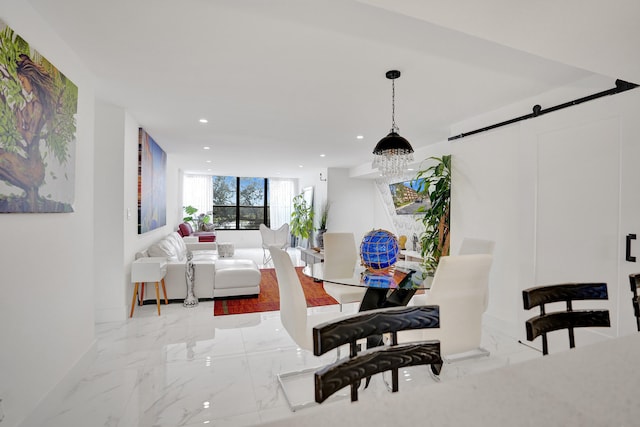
column 406, row 199
column 38, row 108
column 152, row 199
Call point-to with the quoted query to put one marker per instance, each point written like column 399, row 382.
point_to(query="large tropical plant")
column 301, row 217
column 435, row 183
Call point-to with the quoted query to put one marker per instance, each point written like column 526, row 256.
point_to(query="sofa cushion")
column 163, row 248
column 179, row 245
column 182, row 246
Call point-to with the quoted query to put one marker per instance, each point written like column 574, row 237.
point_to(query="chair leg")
column 572, row 340
column 282, row 379
column 266, row 256
column 158, row 297
column 133, row 300
column 164, row 291
column 479, row 352
column 141, row 299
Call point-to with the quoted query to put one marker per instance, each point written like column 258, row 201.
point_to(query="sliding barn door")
column 587, row 199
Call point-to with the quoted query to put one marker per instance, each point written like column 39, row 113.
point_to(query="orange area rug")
column 269, row 298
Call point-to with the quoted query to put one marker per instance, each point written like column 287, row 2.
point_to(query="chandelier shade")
column 393, row 153
column 393, row 144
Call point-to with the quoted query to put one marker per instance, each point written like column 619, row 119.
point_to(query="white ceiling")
column 284, row 81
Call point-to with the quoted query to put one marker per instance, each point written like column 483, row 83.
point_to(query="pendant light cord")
column 394, row 128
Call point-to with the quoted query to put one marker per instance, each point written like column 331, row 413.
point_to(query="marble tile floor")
column 189, row 368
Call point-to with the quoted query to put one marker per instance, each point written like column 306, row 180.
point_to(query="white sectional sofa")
column 237, row 276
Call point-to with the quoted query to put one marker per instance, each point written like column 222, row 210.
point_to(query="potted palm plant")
column 301, row 218
column 190, row 217
column 435, row 183
column 198, row 222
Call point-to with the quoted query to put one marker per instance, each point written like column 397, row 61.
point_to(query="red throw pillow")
column 185, row 229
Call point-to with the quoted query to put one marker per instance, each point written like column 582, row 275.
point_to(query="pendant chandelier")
column 393, row 153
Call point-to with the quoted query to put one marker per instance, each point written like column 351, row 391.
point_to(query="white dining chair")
column 340, row 258
column 460, row 286
column 298, row 323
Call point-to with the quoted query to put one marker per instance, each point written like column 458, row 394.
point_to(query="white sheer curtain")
column 281, row 193
column 197, row 191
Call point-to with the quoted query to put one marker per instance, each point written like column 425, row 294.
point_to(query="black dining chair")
column 351, row 370
column 569, row 318
column 634, row 280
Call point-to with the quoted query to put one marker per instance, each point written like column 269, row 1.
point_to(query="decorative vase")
column 190, row 275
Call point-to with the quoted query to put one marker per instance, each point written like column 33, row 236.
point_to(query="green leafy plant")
column 196, row 221
column 435, row 183
column 190, row 211
column 323, row 217
column 301, row 218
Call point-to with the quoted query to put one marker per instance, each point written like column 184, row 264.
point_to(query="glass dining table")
column 384, row 289
column 392, row 288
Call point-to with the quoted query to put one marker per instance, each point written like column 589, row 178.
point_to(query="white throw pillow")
column 176, row 241
column 163, row 248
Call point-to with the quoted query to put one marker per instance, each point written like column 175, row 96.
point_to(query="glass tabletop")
column 407, row 275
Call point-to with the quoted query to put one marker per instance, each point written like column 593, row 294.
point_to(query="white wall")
column 134, row 242
column 117, row 209
column 109, row 167
column 352, row 203
column 46, row 295
column 495, row 184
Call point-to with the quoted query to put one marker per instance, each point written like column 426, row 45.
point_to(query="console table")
column 309, row 256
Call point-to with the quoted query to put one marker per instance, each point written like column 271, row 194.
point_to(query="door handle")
column 630, row 258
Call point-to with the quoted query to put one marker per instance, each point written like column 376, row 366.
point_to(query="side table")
column 310, row 256
column 149, row 269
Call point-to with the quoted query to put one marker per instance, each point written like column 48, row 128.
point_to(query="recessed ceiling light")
column 208, row 161
column 204, row 121
column 300, row 166
column 323, row 155
column 409, row 169
column 359, row 137
column 206, row 148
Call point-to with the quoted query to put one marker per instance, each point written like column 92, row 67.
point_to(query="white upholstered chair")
column 471, row 246
column 270, row 237
column 340, row 258
column 476, row 246
column 460, row 288
column 297, row 322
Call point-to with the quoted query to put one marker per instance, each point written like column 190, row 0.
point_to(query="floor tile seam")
column 271, row 350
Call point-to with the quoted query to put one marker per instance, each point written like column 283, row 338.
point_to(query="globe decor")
column 379, row 251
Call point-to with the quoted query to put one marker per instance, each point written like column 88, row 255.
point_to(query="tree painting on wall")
column 152, row 198
column 38, row 107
